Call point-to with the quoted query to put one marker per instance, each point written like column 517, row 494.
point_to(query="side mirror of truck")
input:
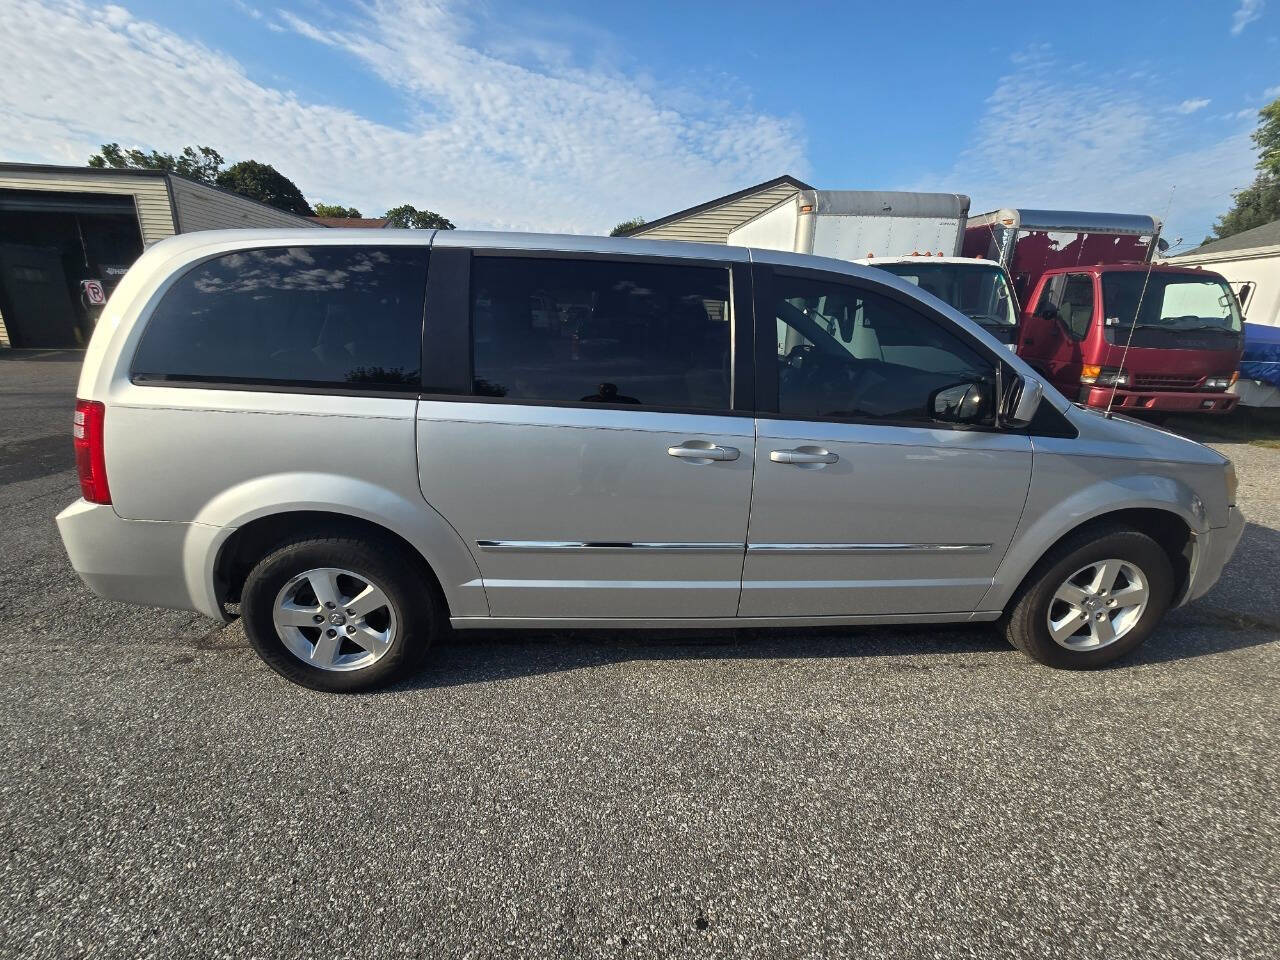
column 1047, row 311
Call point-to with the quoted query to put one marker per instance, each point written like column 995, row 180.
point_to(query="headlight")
column 1218, row 383
column 1232, row 484
column 1104, row 376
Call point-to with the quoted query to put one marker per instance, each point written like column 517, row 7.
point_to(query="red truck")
column 1103, row 324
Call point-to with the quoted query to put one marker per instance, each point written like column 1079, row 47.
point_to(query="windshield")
column 977, row 290
column 1172, row 301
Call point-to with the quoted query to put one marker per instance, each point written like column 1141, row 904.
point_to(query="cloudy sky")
column 571, row 115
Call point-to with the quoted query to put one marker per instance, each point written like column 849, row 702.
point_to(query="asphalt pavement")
column 903, row 792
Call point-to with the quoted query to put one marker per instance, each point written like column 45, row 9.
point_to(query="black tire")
column 1025, row 620
column 400, row 577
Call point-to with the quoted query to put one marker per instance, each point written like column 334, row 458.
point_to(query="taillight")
column 91, row 459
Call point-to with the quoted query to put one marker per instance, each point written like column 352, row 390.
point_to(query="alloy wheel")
column 334, row 619
column 1097, row 605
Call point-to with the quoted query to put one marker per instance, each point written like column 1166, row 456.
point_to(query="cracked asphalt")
column 902, row 792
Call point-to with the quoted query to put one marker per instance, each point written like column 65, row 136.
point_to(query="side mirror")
column 961, row 403
column 1047, row 311
column 1021, row 402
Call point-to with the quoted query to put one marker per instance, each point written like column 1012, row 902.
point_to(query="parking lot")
column 879, row 792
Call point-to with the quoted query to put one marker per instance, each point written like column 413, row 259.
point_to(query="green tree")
column 336, row 210
column 1259, row 202
column 249, row 178
column 626, row 226
column 197, row 163
column 410, row 217
column 264, row 183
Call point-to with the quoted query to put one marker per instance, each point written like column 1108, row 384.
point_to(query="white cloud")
column 1062, row 137
column 1272, row 92
column 486, row 141
column 1191, row 106
column 1246, row 13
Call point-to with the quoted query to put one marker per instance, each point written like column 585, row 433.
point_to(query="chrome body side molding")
column 869, row 548
column 607, row 546
column 602, row 546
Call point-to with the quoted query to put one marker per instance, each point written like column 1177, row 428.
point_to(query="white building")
column 1250, row 261
column 713, row 221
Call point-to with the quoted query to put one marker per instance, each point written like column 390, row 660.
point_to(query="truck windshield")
column 978, row 290
column 1172, row 302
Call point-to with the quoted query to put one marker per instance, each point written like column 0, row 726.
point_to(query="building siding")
column 714, row 225
column 197, row 207
column 200, row 207
column 150, row 195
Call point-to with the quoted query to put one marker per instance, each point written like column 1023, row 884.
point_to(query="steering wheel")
column 798, row 354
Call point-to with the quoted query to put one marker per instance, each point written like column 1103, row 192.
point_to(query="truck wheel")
column 339, row 613
column 1093, row 599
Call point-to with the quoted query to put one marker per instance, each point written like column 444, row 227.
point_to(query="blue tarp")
column 1261, row 360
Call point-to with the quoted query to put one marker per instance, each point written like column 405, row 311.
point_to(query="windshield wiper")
column 1211, row 326
column 1175, row 327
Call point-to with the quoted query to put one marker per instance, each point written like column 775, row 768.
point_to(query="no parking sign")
column 93, row 293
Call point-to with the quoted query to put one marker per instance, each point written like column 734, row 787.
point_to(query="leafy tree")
column 336, row 210
column 197, row 163
column 249, row 178
column 1259, row 202
column 410, row 217
column 266, row 184
column 626, row 226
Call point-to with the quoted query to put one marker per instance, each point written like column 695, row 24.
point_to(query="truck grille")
column 1165, row 381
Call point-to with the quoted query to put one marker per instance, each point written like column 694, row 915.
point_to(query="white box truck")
column 917, row 236
column 853, row 224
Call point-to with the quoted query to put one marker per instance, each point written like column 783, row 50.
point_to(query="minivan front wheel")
column 337, row 613
column 1092, row 600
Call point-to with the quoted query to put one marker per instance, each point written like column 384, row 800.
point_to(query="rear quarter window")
column 348, row 317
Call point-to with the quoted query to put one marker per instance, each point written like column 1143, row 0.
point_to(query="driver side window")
column 845, row 352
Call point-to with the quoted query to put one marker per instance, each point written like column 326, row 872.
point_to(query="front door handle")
column 803, row 455
column 703, row 451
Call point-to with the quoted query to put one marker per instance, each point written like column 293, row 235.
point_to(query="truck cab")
column 978, row 288
column 1135, row 337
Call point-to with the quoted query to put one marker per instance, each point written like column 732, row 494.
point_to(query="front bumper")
column 152, row 562
column 1164, row 401
column 1212, row 551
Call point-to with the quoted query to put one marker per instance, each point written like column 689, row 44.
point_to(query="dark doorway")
column 37, row 306
column 50, row 243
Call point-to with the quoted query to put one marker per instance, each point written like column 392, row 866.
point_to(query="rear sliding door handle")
column 702, row 451
column 801, row 456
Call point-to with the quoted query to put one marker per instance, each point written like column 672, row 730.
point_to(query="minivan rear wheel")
column 339, row 614
column 1093, row 599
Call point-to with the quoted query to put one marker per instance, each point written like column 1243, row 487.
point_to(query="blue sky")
column 569, row 115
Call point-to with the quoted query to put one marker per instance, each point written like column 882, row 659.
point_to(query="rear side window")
column 308, row 316
column 601, row 331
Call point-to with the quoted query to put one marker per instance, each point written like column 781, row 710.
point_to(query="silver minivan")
column 356, row 439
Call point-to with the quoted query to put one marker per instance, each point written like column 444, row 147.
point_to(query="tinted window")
column 846, row 352
column 600, row 331
column 307, row 315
